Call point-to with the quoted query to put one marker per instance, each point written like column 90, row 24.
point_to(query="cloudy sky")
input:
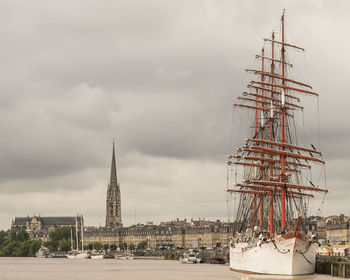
column 159, row 77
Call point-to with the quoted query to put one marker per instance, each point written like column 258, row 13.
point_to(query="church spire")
column 113, row 180
column 113, row 201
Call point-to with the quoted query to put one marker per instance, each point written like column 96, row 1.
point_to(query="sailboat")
column 76, row 254
column 273, row 170
column 95, row 254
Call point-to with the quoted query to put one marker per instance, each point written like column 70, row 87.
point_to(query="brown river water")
column 108, row 269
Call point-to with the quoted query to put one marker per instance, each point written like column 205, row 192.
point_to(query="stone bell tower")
column 113, row 201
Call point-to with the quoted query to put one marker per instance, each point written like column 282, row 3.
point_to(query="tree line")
column 18, row 244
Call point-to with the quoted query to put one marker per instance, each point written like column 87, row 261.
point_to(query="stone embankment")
column 334, row 266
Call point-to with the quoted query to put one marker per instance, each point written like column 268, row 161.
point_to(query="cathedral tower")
column 113, row 201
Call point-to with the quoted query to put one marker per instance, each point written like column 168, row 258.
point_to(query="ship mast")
column 82, row 233
column 283, row 178
column 262, row 137
column 273, row 183
column 71, row 239
column 76, row 232
column 271, row 129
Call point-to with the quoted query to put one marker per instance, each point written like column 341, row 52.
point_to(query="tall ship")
column 270, row 174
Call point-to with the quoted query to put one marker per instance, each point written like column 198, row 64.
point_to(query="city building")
column 175, row 234
column 332, row 230
column 40, row 227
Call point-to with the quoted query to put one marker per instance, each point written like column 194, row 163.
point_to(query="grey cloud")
column 160, row 77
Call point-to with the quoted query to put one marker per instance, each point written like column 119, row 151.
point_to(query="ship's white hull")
column 290, row 256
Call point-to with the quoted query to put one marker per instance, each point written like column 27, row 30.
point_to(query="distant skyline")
column 159, row 77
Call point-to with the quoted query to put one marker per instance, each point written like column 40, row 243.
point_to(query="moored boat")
column 43, row 252
column 271, row 173
column 124, row 256
column 95, row 255
column 190, row 257
column 77, row 255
